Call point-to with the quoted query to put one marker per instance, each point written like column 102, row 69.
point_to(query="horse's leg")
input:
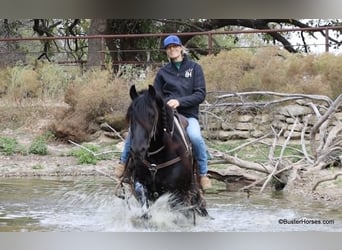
column 201, row 205
column 198, row 203
column 192, row 209
column 142, row 198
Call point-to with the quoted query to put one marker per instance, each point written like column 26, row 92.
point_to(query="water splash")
column 89, row 208
column 90, row 205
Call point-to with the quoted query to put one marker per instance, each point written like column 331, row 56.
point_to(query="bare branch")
column 248, row 143
column 302, row 141
column 246, row 164
column 315, row 109
column 90, row 151
column 326, row 179
column 115, row 132
column 322, row 119
column 292, row 96
column 272, row 149
column 263, row 179
column 272, row 174
column 269, row 177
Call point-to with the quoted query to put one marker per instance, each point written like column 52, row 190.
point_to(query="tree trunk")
column 96, row 46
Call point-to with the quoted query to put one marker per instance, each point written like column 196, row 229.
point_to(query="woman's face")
column 174, row 52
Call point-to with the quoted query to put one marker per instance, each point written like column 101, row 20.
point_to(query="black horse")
column 161, row 159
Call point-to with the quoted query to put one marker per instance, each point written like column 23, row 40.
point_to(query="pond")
column 88, row 204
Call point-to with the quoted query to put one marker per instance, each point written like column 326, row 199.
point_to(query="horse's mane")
column 140, row 105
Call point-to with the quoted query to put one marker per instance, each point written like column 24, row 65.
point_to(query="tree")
column 147, row 48
column 8, row 29
column 129, row 49
column 97, row 26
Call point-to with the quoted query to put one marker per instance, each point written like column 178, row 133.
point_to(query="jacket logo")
column 188, row 73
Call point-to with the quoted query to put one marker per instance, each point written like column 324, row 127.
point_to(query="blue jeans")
column 198, row 144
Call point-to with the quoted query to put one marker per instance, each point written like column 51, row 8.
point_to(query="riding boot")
column 119, row 170
column 205, row 182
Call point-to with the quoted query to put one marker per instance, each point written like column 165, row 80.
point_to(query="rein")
column 152, row 167
column 155, row 167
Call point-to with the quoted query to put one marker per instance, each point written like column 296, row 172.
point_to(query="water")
column 89, row 204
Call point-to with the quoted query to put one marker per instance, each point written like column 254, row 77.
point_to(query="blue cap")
column 172, row 39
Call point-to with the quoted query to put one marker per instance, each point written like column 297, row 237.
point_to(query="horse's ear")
column 151, row 91
column 133, row 92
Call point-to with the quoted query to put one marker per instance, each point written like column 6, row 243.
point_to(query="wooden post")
column 326, row 39
column 210, row 43
column 103, row 56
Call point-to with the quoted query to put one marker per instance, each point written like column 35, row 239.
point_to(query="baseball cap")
column 172, row 39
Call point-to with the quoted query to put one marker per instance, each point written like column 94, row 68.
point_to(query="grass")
column 39, row 144
column 37, row 166
column 90, row 154
column 258, row 152
column 8, row 145
column 84, row 156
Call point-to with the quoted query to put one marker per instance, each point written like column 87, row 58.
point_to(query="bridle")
column 153, row 134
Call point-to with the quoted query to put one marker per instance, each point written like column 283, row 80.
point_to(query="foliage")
column 273, row 69
column 54, row 79
column 37, row 80
column 84, row 156
column 148, row 48
column 8, row 145
column 91, row 95
column 23, row 83
column 223, row 71
column 37, row 166
column 95, row 94
column 38, row 146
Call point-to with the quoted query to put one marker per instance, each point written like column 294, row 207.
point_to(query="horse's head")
column 143, row 115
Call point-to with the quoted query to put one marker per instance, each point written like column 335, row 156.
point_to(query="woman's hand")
column 173, row 103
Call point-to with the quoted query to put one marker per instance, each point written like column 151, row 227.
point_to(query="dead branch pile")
column 320, row 143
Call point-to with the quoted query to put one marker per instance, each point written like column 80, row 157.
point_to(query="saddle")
column 182, row 119
column 181, row 124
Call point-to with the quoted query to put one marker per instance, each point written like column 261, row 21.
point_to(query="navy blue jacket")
column 187, row 85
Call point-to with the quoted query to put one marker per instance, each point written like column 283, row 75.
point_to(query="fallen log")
column 233, row 182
